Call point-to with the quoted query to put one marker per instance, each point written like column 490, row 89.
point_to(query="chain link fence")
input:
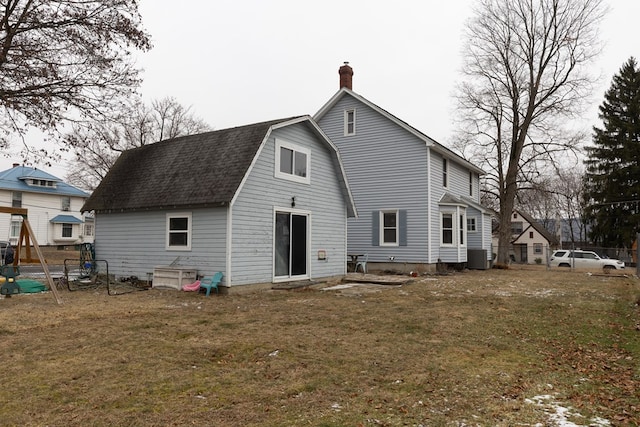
column 540, row 254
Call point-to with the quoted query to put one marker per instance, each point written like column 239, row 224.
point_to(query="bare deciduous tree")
column 525, row 76
column 65, row 60
column 96, row 147
column 558, row 203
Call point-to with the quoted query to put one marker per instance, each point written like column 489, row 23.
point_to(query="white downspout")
column 429, row 259
column 229, row 245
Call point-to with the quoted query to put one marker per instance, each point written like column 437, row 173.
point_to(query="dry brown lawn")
column 476, row 348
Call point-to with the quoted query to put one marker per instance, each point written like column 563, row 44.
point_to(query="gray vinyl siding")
column 437, row 191
column 134, row 243
column 474, row 239
column 387, row 170
column 391, row 168
column 253, row 211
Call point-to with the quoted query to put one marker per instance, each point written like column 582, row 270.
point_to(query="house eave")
column 157, row 208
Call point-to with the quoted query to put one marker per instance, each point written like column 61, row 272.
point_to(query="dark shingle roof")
column 195, row 170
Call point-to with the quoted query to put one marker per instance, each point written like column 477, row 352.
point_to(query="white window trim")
column 291, row 211
column 346, row 122
column 189, row 234
column 445, row 172
column 462, row 227
column 453, row 228
column 15, row 225
column 65, row 207
column 473, row 229
column 471, row 174
column 381, row 238
column 292, row 177
column 458, row 224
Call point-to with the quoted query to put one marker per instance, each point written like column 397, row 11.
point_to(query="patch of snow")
column 338, row 287
column 559, row 414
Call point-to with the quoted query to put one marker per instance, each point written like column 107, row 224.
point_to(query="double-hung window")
column 65, row 202
column 471, row 224
column 445, row 173
column 470, row 183
column 16, row 199
column 292, row 162
column 349, row 122
column 16, row 225
column 453, row 227
column 67, row 230
column 389, row 228
column 447, row 228
column 179, row 231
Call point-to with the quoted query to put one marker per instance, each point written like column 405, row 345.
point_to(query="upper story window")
column 470, row 183
column 389, row 229
column 445, row 173
column 516, row 227
column 16, row 199
column 292, row 162
column 179, row 231
column 65, row 203
column 349, row 122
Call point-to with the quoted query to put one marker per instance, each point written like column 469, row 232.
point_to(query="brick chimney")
column 346, row 75
column 15, row 165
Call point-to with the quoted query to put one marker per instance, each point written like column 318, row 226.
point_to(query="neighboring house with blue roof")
column 53, row 207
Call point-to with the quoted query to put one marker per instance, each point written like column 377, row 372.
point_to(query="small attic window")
column 41, row 183
column 349, row 122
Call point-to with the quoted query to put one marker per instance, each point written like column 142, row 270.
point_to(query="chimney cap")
column 15, row 165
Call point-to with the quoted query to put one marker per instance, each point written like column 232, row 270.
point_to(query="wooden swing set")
column 28, row 238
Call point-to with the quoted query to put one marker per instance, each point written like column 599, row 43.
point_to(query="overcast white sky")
column 237, row 62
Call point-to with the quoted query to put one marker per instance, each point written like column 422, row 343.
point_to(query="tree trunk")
column 507, row 200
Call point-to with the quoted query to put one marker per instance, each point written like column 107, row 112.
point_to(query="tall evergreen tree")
column 613, row 164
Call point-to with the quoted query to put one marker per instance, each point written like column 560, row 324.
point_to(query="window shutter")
column 375, row 228
column 402, row 231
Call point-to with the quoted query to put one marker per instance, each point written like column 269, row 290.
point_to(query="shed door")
column 291, row 253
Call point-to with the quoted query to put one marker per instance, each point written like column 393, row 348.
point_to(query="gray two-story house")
column 418, row 202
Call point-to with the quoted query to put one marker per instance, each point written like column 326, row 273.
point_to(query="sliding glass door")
column 291, row 246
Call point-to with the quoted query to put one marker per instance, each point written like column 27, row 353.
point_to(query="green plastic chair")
column 211, row 282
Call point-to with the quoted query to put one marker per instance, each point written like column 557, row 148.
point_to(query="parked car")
column 583, row 259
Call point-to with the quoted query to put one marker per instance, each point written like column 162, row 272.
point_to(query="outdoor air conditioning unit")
column 477, row 259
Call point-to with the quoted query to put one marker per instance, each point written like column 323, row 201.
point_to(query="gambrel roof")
column 203, row 170
column 430, row 142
